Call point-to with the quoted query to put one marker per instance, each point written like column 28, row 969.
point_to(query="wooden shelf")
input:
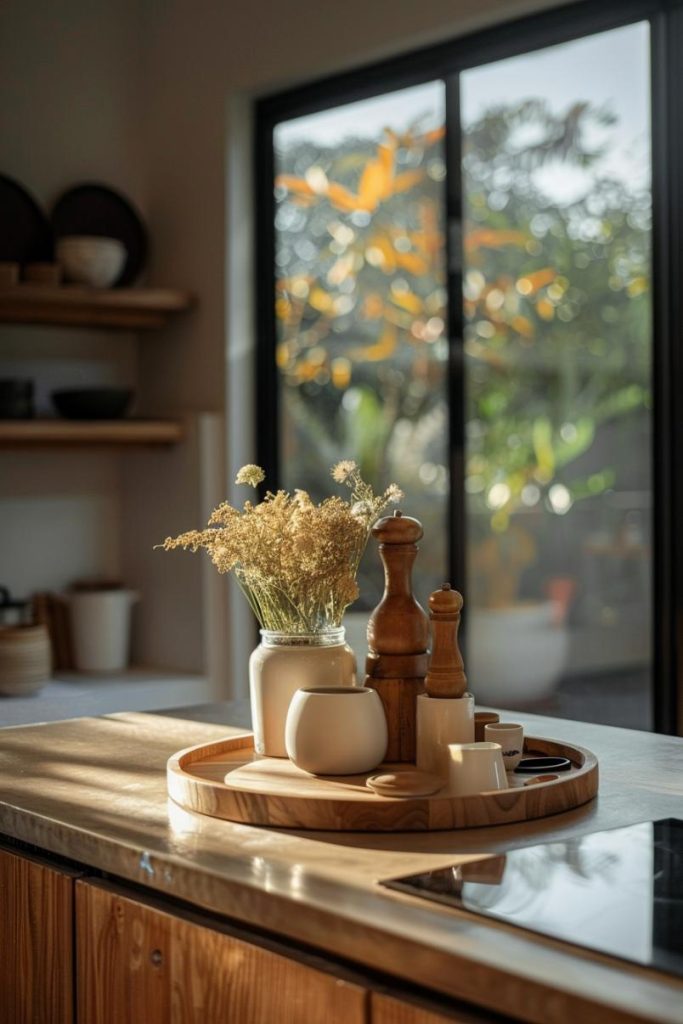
column 76, row 306
column 88, row 433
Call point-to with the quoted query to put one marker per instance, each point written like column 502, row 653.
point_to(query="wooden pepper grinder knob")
column 398, row 634
column 446, row 674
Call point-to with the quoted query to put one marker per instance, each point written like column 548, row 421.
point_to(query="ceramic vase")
column 336, row 730
column 284, row 663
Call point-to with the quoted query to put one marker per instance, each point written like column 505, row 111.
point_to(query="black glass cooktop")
column 619, row 891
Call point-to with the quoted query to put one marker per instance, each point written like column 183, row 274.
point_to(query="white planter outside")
column 516, row 654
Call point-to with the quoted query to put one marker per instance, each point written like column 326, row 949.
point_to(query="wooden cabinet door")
column 36, row 942
column 391, row 1010
column 136, row 963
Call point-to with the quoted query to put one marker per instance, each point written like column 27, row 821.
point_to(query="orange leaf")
column 411, row 262
column 342, row 198
column 538, row 279
column 545, row 309
column 404, row 182
column 491, row 239
column 407, row 300
column 382, row 349
column 385, row 155
column 320, row 300
column 293, row 184
column 522, row 326
column 373, row 186
column 429, row 138
column 380, row 252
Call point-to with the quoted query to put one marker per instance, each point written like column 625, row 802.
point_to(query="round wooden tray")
column 226, row 779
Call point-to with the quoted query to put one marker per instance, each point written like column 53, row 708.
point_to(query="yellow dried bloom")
column 250, row 474
column 343, row 470
column 295, row 561
column 393, row 494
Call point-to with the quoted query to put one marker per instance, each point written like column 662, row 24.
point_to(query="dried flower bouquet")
column 295, row 561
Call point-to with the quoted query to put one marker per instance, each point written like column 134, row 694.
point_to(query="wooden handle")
column 446, row 674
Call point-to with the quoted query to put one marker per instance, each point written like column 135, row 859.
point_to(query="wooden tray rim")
column 431, row 813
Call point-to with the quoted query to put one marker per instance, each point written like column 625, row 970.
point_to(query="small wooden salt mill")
column 398, row 635
column 445, row 712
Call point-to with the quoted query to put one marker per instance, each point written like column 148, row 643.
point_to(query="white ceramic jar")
column 333, row 730
column 284, row 663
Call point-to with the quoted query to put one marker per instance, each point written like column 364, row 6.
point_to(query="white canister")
column 100, row 627
column 441, row 721
column 336, row 730
column 284, row 663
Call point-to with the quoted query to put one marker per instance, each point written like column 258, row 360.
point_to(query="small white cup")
column 336, row 730
column 511, row 738
column 475, row 768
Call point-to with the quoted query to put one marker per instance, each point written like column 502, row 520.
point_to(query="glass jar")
column 284, row 663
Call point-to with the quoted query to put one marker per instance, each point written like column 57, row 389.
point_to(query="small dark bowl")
column 92, row 403
column 16, row 399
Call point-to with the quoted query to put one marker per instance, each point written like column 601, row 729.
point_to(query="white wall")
column 69, row 112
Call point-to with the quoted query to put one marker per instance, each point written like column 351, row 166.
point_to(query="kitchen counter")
column 93, row 791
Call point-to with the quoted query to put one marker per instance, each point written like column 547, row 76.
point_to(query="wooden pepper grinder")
column 446, row 674
column 445, row 712
column 398, row 635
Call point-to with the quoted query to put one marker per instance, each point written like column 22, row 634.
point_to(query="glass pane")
column 558, row 378
column 360, row 304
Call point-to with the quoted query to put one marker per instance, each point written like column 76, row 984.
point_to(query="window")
column 457, row 290
column 360, row 303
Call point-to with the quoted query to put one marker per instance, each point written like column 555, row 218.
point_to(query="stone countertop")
column 94, row 790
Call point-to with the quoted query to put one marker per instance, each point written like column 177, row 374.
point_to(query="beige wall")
column 69, row 112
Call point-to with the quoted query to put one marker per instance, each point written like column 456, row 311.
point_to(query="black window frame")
column 446, row 61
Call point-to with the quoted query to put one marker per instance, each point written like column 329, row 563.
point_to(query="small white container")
column 333, row 730
column 100, row 627
column 475, row 768
column 511, row 739
column 440, row 722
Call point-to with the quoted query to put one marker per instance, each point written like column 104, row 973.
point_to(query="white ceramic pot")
column 441, row 721
column 515, row 655
column 335, row 730
column 90, row 260
column 100, row 627
column 283, row 664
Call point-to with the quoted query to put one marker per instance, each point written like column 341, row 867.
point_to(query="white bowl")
column 89, row 260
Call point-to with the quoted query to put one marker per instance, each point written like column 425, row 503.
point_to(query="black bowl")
column 92, row 403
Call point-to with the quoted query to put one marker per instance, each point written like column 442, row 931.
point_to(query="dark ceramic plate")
column 102, row 212
column 25, row 232
column 92, row 403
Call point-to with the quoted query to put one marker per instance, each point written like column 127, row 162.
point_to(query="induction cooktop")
column 619, row 892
